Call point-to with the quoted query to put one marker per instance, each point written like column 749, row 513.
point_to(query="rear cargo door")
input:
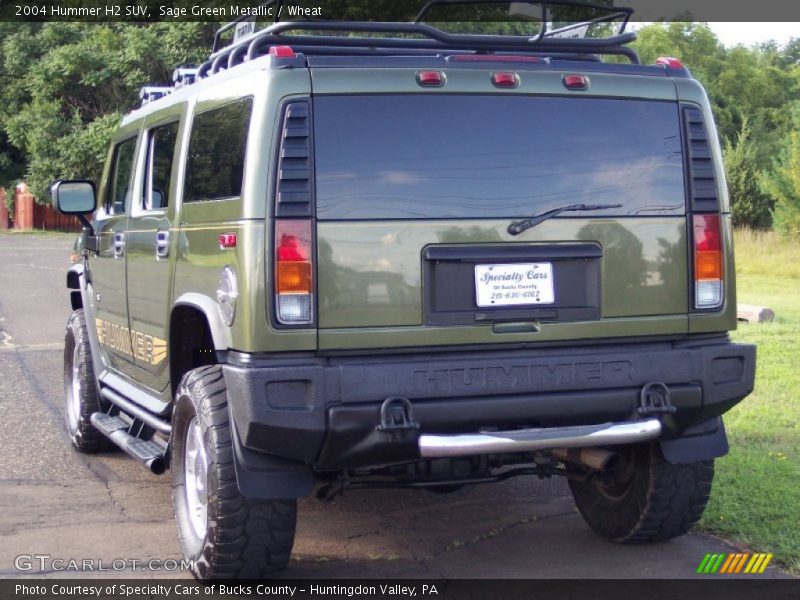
column 415, row 192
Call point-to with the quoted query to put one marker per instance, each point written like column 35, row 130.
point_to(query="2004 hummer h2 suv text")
column 406, row 257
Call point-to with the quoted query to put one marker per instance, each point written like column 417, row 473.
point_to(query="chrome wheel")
column 74, row 400
column 196, row 478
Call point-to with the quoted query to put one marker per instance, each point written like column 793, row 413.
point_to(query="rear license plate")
column 510, row 285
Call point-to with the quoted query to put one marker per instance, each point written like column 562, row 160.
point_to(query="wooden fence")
column 47, row 217
column 4, row 224
column 28, row 214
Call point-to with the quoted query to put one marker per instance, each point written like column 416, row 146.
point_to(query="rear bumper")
column 324, row 411
column 545, row 438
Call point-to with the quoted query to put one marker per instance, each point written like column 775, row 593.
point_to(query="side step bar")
column 116, row 429
column 136, row 411
column 525, row 440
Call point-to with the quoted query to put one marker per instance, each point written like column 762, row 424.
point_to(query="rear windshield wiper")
column 518, row 227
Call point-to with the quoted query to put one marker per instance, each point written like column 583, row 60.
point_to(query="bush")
column 750, row 206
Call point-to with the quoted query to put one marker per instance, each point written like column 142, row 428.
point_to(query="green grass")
column 756, row 497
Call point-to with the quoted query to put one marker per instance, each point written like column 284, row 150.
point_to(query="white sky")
column 731, row 34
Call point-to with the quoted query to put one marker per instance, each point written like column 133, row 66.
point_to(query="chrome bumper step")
column 526, row 440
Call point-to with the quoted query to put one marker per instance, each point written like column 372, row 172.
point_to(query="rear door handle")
column 162, row 244
column 119, row 244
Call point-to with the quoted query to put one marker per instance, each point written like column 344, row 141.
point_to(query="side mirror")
column 75, row 197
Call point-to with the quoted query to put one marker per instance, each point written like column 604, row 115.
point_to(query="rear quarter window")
column 217, row 145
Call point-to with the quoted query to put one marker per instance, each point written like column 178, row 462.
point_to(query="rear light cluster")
column 294, row 272
column 708, row 270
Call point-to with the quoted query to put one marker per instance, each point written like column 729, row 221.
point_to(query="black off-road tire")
column 81, row 399
column 649, row 499
column 244, row 539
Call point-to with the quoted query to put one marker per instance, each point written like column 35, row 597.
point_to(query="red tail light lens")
column 669, row 61
column 708, row 271
column 505, row 80
column 227, row 240
column 294, row 272
column 430, row 78
column 575, row 82
column 282, row 51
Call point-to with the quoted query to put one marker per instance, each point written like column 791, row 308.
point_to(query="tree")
column 783, row 183
column 750, row 206
column 66, row 85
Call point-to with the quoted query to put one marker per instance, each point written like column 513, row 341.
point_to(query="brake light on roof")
column 495, row 58
column 430, row 78
column 282, row 51
column 505, row 80
column 669, row 61
column 575, row 82
column 294, row 273
column 708, row 271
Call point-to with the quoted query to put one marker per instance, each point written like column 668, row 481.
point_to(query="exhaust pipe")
column 593, row 458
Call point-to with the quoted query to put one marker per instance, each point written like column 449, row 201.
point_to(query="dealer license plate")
column 511, row 285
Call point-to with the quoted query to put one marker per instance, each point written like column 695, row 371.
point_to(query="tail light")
column 294, row 272
column 708, row 271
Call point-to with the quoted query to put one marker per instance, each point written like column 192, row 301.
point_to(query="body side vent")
column 294, row 188
column 703, row 196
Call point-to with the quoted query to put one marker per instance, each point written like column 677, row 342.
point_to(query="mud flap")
column 701, row 442
column 261, row 476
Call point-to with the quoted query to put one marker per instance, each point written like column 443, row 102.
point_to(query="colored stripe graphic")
column 735, row 562
column 703, row 563
column 764, row 564
column 757, row 558
column 728, row 563
column 717, row 563
column 740, row 564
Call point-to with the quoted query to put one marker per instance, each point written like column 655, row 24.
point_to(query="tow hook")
column 654, row 400
column 397, row 418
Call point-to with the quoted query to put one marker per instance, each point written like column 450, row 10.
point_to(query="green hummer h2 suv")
column 381, row 254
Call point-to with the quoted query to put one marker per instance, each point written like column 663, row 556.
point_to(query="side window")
column 158, row 175
column 120, row 177
column 215, row 165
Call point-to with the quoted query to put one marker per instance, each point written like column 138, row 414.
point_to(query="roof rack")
column 426, row 37
column 279, row 41
column 151, row 93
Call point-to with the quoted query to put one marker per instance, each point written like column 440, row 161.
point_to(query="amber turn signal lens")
column 293, row 277
column 708, row 265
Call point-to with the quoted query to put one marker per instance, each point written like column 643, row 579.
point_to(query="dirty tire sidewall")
column 81, row 400
column 244, row 539
column 660, row 501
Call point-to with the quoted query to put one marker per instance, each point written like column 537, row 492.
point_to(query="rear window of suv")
column 446, row 156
